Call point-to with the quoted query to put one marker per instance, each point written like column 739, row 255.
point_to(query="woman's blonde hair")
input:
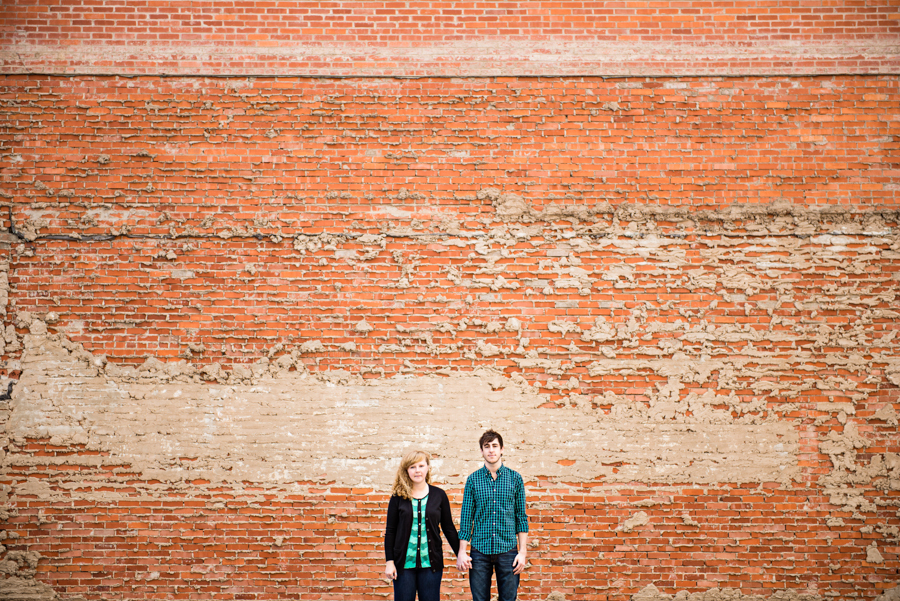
column 402, row 483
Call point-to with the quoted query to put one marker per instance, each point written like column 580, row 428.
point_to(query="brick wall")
column 283, row 210
column 229, row 303
column 450, row 38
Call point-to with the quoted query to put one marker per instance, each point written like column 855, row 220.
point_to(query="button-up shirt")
column 493, row 511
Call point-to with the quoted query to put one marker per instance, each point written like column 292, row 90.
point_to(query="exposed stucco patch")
column 467, row 57
column 282, row 426
column 651, row 593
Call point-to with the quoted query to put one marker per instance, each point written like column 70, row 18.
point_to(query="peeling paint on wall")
column 284, row 428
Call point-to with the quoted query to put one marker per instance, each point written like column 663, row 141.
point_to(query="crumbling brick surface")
column 230, row 304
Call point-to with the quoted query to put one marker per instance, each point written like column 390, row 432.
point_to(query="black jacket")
column 399, row 527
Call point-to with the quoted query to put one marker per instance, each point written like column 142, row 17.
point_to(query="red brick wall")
column 152, row 214
column 249, row 186
column 559, row 38
column 225, row 176
column 422, row 22
column 218, row 545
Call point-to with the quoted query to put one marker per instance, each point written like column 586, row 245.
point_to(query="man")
column 494, row 521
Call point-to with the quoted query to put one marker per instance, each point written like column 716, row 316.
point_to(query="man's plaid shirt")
column 493, row 511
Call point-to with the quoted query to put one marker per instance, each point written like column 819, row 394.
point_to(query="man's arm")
column 520, row 561
column 521, row 529
column 463, row 561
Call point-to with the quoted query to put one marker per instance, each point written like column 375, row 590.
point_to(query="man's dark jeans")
column 423, row 580
column 480, row 575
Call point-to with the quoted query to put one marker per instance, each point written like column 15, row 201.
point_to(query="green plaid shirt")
column 493, row 511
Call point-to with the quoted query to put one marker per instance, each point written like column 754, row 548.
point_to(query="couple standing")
column 493, row 519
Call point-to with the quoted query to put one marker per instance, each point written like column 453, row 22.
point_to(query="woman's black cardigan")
column 399, row 527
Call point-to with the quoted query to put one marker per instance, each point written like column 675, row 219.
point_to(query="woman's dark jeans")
column 480, row 575
column 421, row 580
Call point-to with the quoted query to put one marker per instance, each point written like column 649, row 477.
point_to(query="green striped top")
column 417, row 549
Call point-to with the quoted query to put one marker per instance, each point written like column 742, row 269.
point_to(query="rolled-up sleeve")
column 519, row 504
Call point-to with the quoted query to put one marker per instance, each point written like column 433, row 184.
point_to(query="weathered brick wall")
column 238, row 215
column 230, row 303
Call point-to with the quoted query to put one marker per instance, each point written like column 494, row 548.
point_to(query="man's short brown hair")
column 490, row 436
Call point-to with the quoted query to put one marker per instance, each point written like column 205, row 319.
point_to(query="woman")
column 412, row 540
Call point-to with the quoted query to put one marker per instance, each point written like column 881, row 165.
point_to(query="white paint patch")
column 497, row 57
column 295, row 428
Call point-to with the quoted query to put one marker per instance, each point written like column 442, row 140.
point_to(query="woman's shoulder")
column 436, row 491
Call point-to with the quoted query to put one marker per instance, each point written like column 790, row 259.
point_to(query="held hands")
column 463, row 561
column 390, row 572
column 519, row 563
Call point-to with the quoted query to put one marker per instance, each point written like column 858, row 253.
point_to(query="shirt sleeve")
column 468, row 511
column 521, row 516
column 390, row 530
column 447, row 525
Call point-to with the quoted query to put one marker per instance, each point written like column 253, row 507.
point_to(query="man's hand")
column 519, row 563
column 463, row 561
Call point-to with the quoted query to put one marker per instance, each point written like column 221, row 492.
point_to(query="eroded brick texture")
column 657, row 260
column 240, row 215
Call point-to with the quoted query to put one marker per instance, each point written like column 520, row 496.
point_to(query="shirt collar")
column 487, row 472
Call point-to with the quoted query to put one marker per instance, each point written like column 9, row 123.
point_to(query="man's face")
column 492, row 451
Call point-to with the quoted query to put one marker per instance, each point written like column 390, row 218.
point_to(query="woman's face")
column 418, row 471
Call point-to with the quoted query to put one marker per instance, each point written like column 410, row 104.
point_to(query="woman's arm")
column 390, row 534
column 447, row 524
column 390, row 529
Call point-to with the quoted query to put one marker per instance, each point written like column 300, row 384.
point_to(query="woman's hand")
column 463, row 561
column 390, row 572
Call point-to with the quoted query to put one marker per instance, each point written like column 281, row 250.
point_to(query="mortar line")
column 264, row 237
